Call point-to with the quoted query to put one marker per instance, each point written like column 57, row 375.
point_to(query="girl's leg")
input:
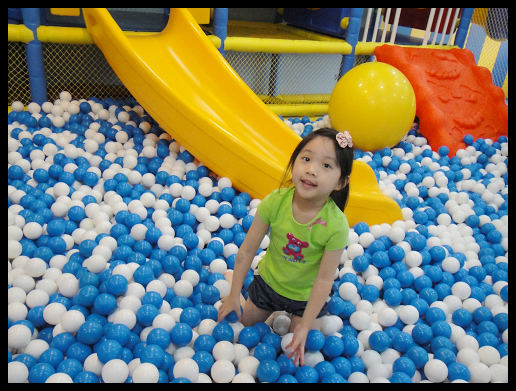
column 229, row 278
column 252, row 314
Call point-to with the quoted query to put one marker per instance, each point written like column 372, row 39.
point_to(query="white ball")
column 18, row 336
column 72, row 320
column 186, row 368
column 248, row 365
column 243, row 378
column 480, row 373
column 222, row 371
column 183, row 288
column 387, row 317
column 366, row 239
column 224, row 182
column 224, row 350
column 211, row 223
column 191, row 276
column 126, row 317
column 17, row 372
column 281, row 325
column 53, row 313
column 360, row 320
column 489, row 355
column 32, row 230
column 347, row 291
column 451, row 265
column 354, row 250
column 146, row 373
column 409, row 314
column 499, row 373
column 115, row 371
column 461, row 289
column 436, row 371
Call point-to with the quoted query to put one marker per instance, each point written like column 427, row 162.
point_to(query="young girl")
column 308, row 233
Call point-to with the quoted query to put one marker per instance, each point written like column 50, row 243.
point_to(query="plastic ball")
column 115, row 371
column 223, row 371
column 383, row 106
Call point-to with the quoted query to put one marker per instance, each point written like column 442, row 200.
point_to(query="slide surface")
column 185, row 84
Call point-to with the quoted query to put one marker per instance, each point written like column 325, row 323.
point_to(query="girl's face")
column 315, row 173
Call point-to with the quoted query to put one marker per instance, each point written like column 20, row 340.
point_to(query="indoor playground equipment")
column 232, row 132
column 455, row 97
column 375, row 102
column 141, row 141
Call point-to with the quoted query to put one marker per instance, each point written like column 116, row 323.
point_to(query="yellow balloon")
column 375, row 103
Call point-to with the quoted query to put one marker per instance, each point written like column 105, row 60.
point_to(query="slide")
column 186, row 85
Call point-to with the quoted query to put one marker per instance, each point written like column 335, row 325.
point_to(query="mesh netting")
column 82, row 70
column 18, row 87
column 289, row 77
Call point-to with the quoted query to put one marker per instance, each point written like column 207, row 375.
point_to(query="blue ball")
column 181, row 334
column 39, row 373
column 314, row 340
column 210, row 295
column 422, row 333
column 70, row 366
column 268, row 371
column 435, row 314
column 400, row 377
column 446, row 355
column 119, row 332
column 350, row 345
column 342, row 366
column 105, row 303
column 324, row 368
column 458, row 371
column 441, row 328
column 405, row 365
column 249, row 337
column 379, row 341
column 153, row 298
column 190, row 316
column 51, row 356
column 418, row 355
column 204, row 342
column 109, row 350
column 396, row 253
column 393, row 297
column 153, row 354
column 306, row 374
column 116, row 285
column 462, row 317
column 204, row 360
column 360, row 263
column 402, row 342
column 159, row 337
column 333, row 346
column 370, row 293
column 146, row 314
column 265, row 351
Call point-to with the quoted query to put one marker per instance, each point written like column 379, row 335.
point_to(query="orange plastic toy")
column 454, row 96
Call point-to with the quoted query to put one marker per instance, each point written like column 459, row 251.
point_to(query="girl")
column 308, row 233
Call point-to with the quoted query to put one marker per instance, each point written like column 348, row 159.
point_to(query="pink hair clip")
column 344, row 139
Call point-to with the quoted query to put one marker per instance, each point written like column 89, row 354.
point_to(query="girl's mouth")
column 308, row 183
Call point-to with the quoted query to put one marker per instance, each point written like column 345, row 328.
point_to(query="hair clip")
column 344, row 139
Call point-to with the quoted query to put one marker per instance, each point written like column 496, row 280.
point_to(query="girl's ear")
column 341, row 185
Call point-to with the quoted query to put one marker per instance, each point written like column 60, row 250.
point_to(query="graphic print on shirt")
column 294, row 248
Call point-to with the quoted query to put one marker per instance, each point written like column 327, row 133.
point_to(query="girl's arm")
column 320, row 291
column 243, row 261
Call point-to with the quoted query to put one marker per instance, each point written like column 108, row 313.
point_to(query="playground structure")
column 284, row 46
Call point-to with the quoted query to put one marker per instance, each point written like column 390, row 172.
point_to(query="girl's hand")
column 297, row 345
column 228, row 305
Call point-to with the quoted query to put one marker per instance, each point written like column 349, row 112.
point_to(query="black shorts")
column 265, row 298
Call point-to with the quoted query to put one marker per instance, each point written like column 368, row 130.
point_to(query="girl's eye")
column 326, row 165
column 306, row 159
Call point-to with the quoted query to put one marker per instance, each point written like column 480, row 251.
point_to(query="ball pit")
column 118, row 240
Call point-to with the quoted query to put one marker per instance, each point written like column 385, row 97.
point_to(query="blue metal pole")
column 35, row 64
column 462, row 31
column 220, row 26
column 355, row 19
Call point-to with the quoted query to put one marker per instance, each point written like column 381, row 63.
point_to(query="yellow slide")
column 185, row 84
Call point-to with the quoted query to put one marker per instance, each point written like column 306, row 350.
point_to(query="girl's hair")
column 344, row 162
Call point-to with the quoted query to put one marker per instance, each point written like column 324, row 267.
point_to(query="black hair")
column 344, row 162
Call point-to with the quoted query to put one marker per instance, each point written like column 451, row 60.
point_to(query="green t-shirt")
column 292, row 260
